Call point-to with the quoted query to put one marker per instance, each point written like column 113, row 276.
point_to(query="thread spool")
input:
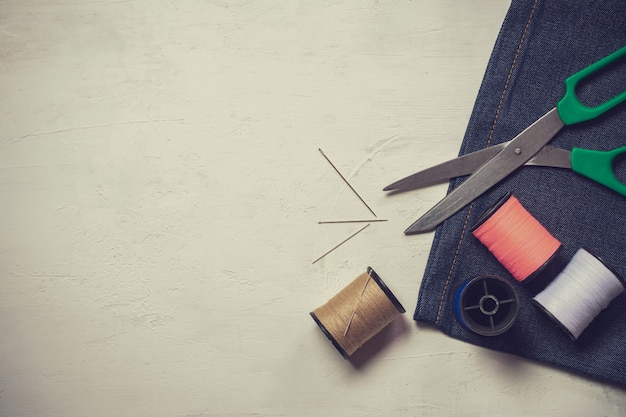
column 517, row 240
column 584, row 288
column 358, row 312
column 486, row 305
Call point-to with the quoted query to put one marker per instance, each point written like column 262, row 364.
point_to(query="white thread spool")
column 579, row 293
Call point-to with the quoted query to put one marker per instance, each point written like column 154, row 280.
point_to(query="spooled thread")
column 358, row 312
column 517, row 239
column 584, row 288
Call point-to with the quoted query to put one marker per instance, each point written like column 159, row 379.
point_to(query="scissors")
column 491, row 165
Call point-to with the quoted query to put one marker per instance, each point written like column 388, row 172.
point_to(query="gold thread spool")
column 358, row 312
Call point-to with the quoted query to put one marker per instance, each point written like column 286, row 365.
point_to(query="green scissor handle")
column 571, row 110
column 599, row 166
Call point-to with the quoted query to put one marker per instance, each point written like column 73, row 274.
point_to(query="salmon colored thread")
column 519, row 242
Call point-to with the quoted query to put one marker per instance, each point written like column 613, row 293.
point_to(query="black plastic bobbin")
column 486, row 305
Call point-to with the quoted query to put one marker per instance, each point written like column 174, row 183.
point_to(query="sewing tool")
column 358, row 312
column 351, row 221
column 517, row 240
column 346, row 181
column 486, row 305
column 488, row 167
column 341, row 243
column 346, row 221
column 584, row 288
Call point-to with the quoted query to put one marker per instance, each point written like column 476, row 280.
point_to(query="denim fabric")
column 540, row 44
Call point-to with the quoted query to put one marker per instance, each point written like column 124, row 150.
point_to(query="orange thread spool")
column 517, row 240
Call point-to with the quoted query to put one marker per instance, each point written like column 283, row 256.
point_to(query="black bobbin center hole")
column 489, row 305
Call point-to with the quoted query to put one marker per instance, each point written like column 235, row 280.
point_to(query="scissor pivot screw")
column 518, row 151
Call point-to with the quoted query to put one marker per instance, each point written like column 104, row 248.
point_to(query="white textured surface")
column 161, row 188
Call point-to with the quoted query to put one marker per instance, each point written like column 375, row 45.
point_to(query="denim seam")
column 491, row 132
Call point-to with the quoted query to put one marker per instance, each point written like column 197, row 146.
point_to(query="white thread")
column 580, row 292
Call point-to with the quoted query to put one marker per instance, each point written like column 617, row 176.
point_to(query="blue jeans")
column 540, row 44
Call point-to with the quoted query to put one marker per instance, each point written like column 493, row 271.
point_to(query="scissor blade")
column 458, row 167
column 549, row 156
column 514, row 154
column 467, row 164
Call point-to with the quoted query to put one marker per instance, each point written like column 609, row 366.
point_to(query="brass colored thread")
column 357, row 312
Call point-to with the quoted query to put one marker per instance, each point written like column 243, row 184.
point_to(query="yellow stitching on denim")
column 495, row 121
